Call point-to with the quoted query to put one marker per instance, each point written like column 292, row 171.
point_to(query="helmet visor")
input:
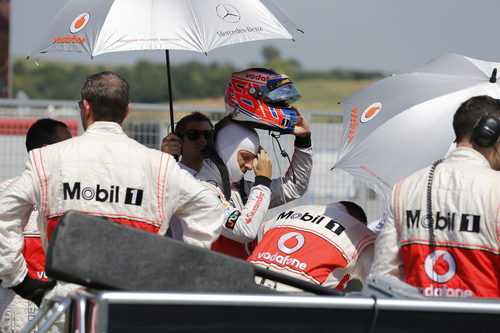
column 281, row 96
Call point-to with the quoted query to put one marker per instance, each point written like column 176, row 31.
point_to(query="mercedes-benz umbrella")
column 102, row 26
column 403, row 123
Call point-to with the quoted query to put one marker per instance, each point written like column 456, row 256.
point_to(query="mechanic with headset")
column 442, row 230
column 254, row 98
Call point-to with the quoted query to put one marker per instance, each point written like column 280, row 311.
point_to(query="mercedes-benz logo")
column 228, row 13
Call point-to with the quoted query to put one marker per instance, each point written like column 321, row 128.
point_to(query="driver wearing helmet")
column 255, row 98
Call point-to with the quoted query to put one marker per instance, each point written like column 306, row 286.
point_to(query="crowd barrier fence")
column 149, row 123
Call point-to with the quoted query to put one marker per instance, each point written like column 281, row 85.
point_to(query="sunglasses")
column 193, row 134
column 80, row 104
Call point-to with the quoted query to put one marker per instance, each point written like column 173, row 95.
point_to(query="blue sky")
column 389, row 35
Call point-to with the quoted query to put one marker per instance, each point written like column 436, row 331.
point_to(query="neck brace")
column 230, row 140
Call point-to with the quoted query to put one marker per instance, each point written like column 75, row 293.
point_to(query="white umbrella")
column 102, row 26
column 403, row 123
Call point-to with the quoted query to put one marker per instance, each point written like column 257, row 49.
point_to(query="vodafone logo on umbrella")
column 370, row 112
column 440, row 266
column 79, row 22
column 291, row 242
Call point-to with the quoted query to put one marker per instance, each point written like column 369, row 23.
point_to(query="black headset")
column 486, row 131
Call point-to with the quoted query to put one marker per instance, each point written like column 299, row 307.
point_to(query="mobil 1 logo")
column 323, row 220
column 447, row 221
column 470, row 223
column 133, row 196
column 111, row 194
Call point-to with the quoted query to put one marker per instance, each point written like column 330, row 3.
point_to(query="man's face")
column 193, row 141
column 245, row 160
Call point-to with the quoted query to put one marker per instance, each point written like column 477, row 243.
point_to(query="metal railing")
column 111, row 311
column 149, row 123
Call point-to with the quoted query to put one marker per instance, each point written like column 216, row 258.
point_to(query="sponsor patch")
column 133, row 196
column 231, row 220
column 470, row 223
column 255, row 207
column 443, row 221
column 111, row 194
column 440, row 266
column 332, row 225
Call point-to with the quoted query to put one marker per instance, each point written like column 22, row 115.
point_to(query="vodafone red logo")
column 291, row 242
column 258, row 77
column 79, row 22
column 370, row 112
column 440, row 266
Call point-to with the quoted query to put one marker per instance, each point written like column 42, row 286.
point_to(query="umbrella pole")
column 169, row 83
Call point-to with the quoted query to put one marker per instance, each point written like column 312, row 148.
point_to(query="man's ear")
column 129, row 107
column 87, row 109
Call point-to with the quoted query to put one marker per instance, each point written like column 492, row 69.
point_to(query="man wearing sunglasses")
column 252, row 103
column 190, row 137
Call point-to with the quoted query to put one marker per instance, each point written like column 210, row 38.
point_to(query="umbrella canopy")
column 102, row 26
column 403, row 123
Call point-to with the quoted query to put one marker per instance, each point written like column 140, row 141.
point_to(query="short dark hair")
column 43, row 132
column 469, row 113
column 194, row 116
column 355, row 210
column 107, row 93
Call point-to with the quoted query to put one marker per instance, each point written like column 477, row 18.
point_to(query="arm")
column 285, row 189
column 364, row 262
column 243, row 225
column 387, row 260
column 197, row 206
column 17, row 201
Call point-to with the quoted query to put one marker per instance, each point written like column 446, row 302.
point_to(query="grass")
column 325, row 94
column 321, row 94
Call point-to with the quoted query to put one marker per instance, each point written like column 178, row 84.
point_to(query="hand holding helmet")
column 262, row 165
column 302, row 126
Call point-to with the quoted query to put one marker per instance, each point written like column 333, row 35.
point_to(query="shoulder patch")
column 231, row 220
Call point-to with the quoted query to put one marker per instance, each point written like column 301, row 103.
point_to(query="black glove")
column 33, row 289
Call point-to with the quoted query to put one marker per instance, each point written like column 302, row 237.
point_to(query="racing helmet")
column 263, row 98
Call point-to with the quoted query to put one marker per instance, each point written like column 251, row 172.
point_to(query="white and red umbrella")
column 103, row 26
column 403, row 123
